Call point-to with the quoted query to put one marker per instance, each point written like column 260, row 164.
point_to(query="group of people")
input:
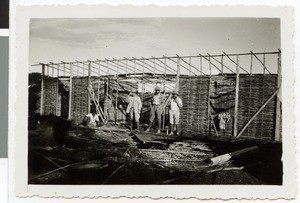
column 157, row 102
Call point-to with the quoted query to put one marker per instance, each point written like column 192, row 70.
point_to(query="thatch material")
column 50, row 96
column 254, row 91
column 222, row 95
column 194, row 117
column 80, row 101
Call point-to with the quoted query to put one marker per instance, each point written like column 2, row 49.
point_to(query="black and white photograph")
column 154, row 101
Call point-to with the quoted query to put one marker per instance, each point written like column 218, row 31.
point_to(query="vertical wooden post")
column 134, row 67
column 42, row 91
column 117, row 90
column 154, row 66
column 108, row 80
column 57, row 70
column 222, row 64
column 116, row 96
column 52, row 71
column 99, row 81
column 126, row 67
column 89, row 83
column 178, row 74
column 201, row 66
column 57, row 105
column 190, row 63
column 64, row 69
column 208, row 108
column 77, row 69
column 209, row 65
column 143, row 81
column 251, row 63
column 165, row 74
column 236, row 103
column 70, row 91
column 278, row 121
column 264, row 63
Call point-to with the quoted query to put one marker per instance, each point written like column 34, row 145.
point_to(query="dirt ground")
column 113, row 155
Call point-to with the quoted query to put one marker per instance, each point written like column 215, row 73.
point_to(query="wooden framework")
column 147, row 69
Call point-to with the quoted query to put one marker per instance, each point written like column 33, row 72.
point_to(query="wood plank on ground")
column 149, row 137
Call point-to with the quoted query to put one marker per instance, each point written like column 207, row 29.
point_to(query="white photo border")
column 19, row 134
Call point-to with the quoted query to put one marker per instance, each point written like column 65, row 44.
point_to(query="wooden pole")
column 57, row 70
column 143, row 81
column 264, row 63
column 52, row 72
column 126, row 68
column 117, row 93
column 190, row 61
column 222, row 64
column 208, row 108
column 70, row 91
column 89, row 83
column 154, row 66
column 209, row 65
column 134, row 65
column 251, row 64
column 57, row 105
column 278, row 121
column 77, row 66
column 42, row 90
column 201, row 64
column 236, row 103
column 178, row 73
column 256, row 113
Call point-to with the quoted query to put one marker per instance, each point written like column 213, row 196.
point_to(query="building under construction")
column 226, row 97
column 209, row 85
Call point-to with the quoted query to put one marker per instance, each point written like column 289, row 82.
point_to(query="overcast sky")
column 55, row 40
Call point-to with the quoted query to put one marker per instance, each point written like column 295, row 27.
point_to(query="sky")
column 56, row 40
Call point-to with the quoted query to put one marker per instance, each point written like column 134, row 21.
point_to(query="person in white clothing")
column 134, row 109
column 174, row 113
column 91, row 119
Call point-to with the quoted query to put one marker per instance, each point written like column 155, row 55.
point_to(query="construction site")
column 229, row 130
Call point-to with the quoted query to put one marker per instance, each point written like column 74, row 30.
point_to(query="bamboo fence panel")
column 262, row 86
column 80, row 101
column 222, row 99
column 50, row 101
column 193, row 115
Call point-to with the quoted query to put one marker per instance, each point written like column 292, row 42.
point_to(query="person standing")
column 134, row 109
column 174, row 112
column 107, row 105
column 156, row 109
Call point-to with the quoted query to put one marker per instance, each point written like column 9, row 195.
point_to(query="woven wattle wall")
column 222, row 98
column 80, row 101
column 122, row 87
column 254, row 91
column 50, row 101
column 194, row 92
